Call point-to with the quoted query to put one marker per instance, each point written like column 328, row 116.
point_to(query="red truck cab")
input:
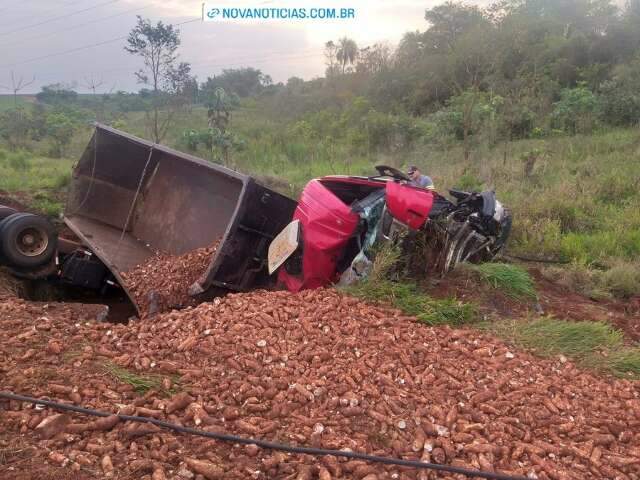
column 331, row 227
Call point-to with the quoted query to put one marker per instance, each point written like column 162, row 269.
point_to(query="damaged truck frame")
column 130, row 198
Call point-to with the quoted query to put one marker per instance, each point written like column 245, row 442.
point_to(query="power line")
column 64, row 4
column 57, row 18
column 231, row 63
column 83, row 47
column 225, row 437
column 77, row 26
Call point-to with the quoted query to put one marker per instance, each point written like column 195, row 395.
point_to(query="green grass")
column 579, row 203
column 23, row 172
column 7, row 101
column 411, row 301
column 141, row 383
column 625, row 362
column 513, row 280
column 592, row 345
column 577, row 340
column 47, row 206
column 38, row 181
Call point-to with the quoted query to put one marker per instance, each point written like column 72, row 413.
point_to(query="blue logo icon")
column 213, row 13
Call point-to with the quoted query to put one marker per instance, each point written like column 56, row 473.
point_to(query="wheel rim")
column 32, row 241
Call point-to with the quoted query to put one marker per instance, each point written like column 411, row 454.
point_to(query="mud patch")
column 561, row 302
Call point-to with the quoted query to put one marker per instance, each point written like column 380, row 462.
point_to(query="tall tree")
column 456, row 43
column 244, row 82
column 157, row 45
column 347, row 52
column 331, row 60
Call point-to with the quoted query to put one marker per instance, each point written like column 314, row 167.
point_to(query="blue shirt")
column 423, row 181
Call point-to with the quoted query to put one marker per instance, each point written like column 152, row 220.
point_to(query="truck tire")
column 27, row 240
column 6, row 211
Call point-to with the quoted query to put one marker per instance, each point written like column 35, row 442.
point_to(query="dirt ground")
column 17, row 201
column 315, row 368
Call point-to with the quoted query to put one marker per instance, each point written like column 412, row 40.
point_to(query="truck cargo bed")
column 123, row 251
column 130, row 198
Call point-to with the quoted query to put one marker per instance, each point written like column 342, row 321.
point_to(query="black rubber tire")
column 6, row 211
column 3, row 222
column 11, row 230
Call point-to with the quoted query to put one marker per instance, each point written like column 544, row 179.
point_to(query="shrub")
column 617, row 187
column 619, row 104
column 60, row 128
column 623, row 280
column 48, row 207
column 574, row 113
column 578, row 278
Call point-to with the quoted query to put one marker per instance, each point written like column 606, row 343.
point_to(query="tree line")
column 516, row 69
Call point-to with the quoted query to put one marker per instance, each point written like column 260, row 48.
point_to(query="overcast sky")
column 36, row 37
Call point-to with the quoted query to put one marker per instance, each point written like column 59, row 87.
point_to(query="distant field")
column 38, row 182
column 7, row 101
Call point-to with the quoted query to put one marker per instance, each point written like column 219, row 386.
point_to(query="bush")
column 619, row 105
column 62, row 181
column 623, row 280
column 60, row 128
column 619, row 101
column 578, row 278
column 47, row 206
column 575, row 111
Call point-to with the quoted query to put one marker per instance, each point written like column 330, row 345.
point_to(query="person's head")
column 413, row 172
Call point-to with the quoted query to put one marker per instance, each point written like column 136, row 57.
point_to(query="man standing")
column 419, row 180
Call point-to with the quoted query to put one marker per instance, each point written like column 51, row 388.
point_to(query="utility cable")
column 75, row 27
column 83, row 47
column 269, row 445
column 40, row 12
column 60, row 17
column 236, row 62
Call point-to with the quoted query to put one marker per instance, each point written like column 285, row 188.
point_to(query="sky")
column 80, row 42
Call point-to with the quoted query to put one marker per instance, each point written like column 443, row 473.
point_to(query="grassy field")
column 575, row 199
column 7, row 101
column 39, row 182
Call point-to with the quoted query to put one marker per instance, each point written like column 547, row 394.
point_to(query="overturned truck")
column 130, row 198
column 131, row 201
